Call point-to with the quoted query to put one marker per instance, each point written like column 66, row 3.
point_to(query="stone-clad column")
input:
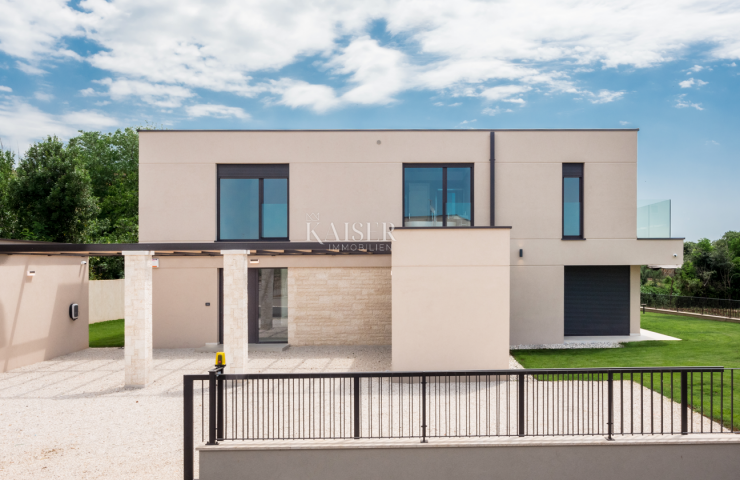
column 235, row 310
column 138, row 318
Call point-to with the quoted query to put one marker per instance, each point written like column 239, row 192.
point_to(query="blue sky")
column 669, row 68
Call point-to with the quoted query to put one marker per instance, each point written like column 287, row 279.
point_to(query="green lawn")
column 703, row 343
column 106, row 334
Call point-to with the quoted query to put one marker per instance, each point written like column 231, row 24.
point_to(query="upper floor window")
column 572, row 201
column 438, row 195
column 253, row 202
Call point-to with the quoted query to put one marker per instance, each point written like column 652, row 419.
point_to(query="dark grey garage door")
column 597, row 300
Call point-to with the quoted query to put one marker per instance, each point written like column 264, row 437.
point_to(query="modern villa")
column 449, row 245
column 467, row 241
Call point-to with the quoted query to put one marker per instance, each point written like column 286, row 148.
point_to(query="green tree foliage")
column 113, row 162
column 710, row 269
column 7, row 214
column 51, row 194
column 86, row 191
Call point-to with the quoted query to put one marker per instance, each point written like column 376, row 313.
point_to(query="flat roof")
column 196, row 249
column 476, row 130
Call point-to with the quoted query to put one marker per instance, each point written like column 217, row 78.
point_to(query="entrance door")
column 597, row 300
column 268, row 305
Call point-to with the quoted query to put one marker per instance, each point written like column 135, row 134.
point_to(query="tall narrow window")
column 437, row 195
column 572, row 201
column 252, row 202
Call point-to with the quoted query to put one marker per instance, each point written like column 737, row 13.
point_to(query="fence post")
column 187, row 410
column 521, row 405
column 356, row 380
column 423, row 409
column 212, row 408
column 610, row 392
column 220, row 427
column 684, row 403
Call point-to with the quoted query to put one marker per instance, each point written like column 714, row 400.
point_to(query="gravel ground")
column 70, row 417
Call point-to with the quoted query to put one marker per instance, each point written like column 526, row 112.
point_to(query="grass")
column 106, row 334
column 703, row 343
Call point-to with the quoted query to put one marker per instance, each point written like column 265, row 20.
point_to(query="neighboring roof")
column 196, row 249
column 478, row 130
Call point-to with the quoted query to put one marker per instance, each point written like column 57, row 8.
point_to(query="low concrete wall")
column 650, row 458
column 106, row 300
column 34, row 311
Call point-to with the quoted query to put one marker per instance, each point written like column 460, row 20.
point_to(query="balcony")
column 653, row 219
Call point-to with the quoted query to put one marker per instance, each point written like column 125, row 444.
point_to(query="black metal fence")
column 427, row 405
column 720, row 307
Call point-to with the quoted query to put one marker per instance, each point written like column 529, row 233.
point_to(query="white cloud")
column 3, row 88
column 456, row 104
column 163, row 54
column 495, row 111
column 681, row 102
column 217, row 111
column 712, row 143
column 296, row 93
column 465, row 122
column 29, row 69
column 21, row 123
column 604, row 96
column 691, row 82
column 439, row 104
column 622, row 122
column 505, row 92
column 159, row 95
column 44, row 97
column 378, row 72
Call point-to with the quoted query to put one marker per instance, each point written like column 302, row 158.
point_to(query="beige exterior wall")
column 451, row 299
column 339, row 306
column 347, row 177
column 106, row 300
column 181, row 288
column 34, row 311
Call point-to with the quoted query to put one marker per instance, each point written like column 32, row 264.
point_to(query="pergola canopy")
column 19, row 247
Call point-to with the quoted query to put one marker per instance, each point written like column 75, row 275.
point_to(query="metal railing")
column 720, row 307
column 427, row 405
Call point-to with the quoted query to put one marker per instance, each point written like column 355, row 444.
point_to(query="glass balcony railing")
column 653, row 219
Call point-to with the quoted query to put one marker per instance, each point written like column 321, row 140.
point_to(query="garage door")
column 597, row 300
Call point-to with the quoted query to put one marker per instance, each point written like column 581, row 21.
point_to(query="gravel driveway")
column 70, row 417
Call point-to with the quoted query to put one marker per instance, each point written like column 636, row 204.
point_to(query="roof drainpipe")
column 493, row 177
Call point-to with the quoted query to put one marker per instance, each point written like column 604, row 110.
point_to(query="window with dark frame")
column 438, row 195
column 572, row 201
column 252, row 202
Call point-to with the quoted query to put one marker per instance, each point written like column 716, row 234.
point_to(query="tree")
column 113, row 162
column 51, row 193
column 7, row 214
column 711, row 269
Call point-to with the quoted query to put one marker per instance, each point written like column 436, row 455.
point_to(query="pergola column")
column 138, row 318
column 235, row 310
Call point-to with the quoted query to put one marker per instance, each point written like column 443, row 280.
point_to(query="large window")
column 572, row 201
column 252, row 202
column 438, row 195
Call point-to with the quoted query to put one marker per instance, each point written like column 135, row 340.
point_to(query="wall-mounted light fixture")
column 31, row 273
column 521, row 252
column 74, row 311
column 83, row 263
column 254, row 260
